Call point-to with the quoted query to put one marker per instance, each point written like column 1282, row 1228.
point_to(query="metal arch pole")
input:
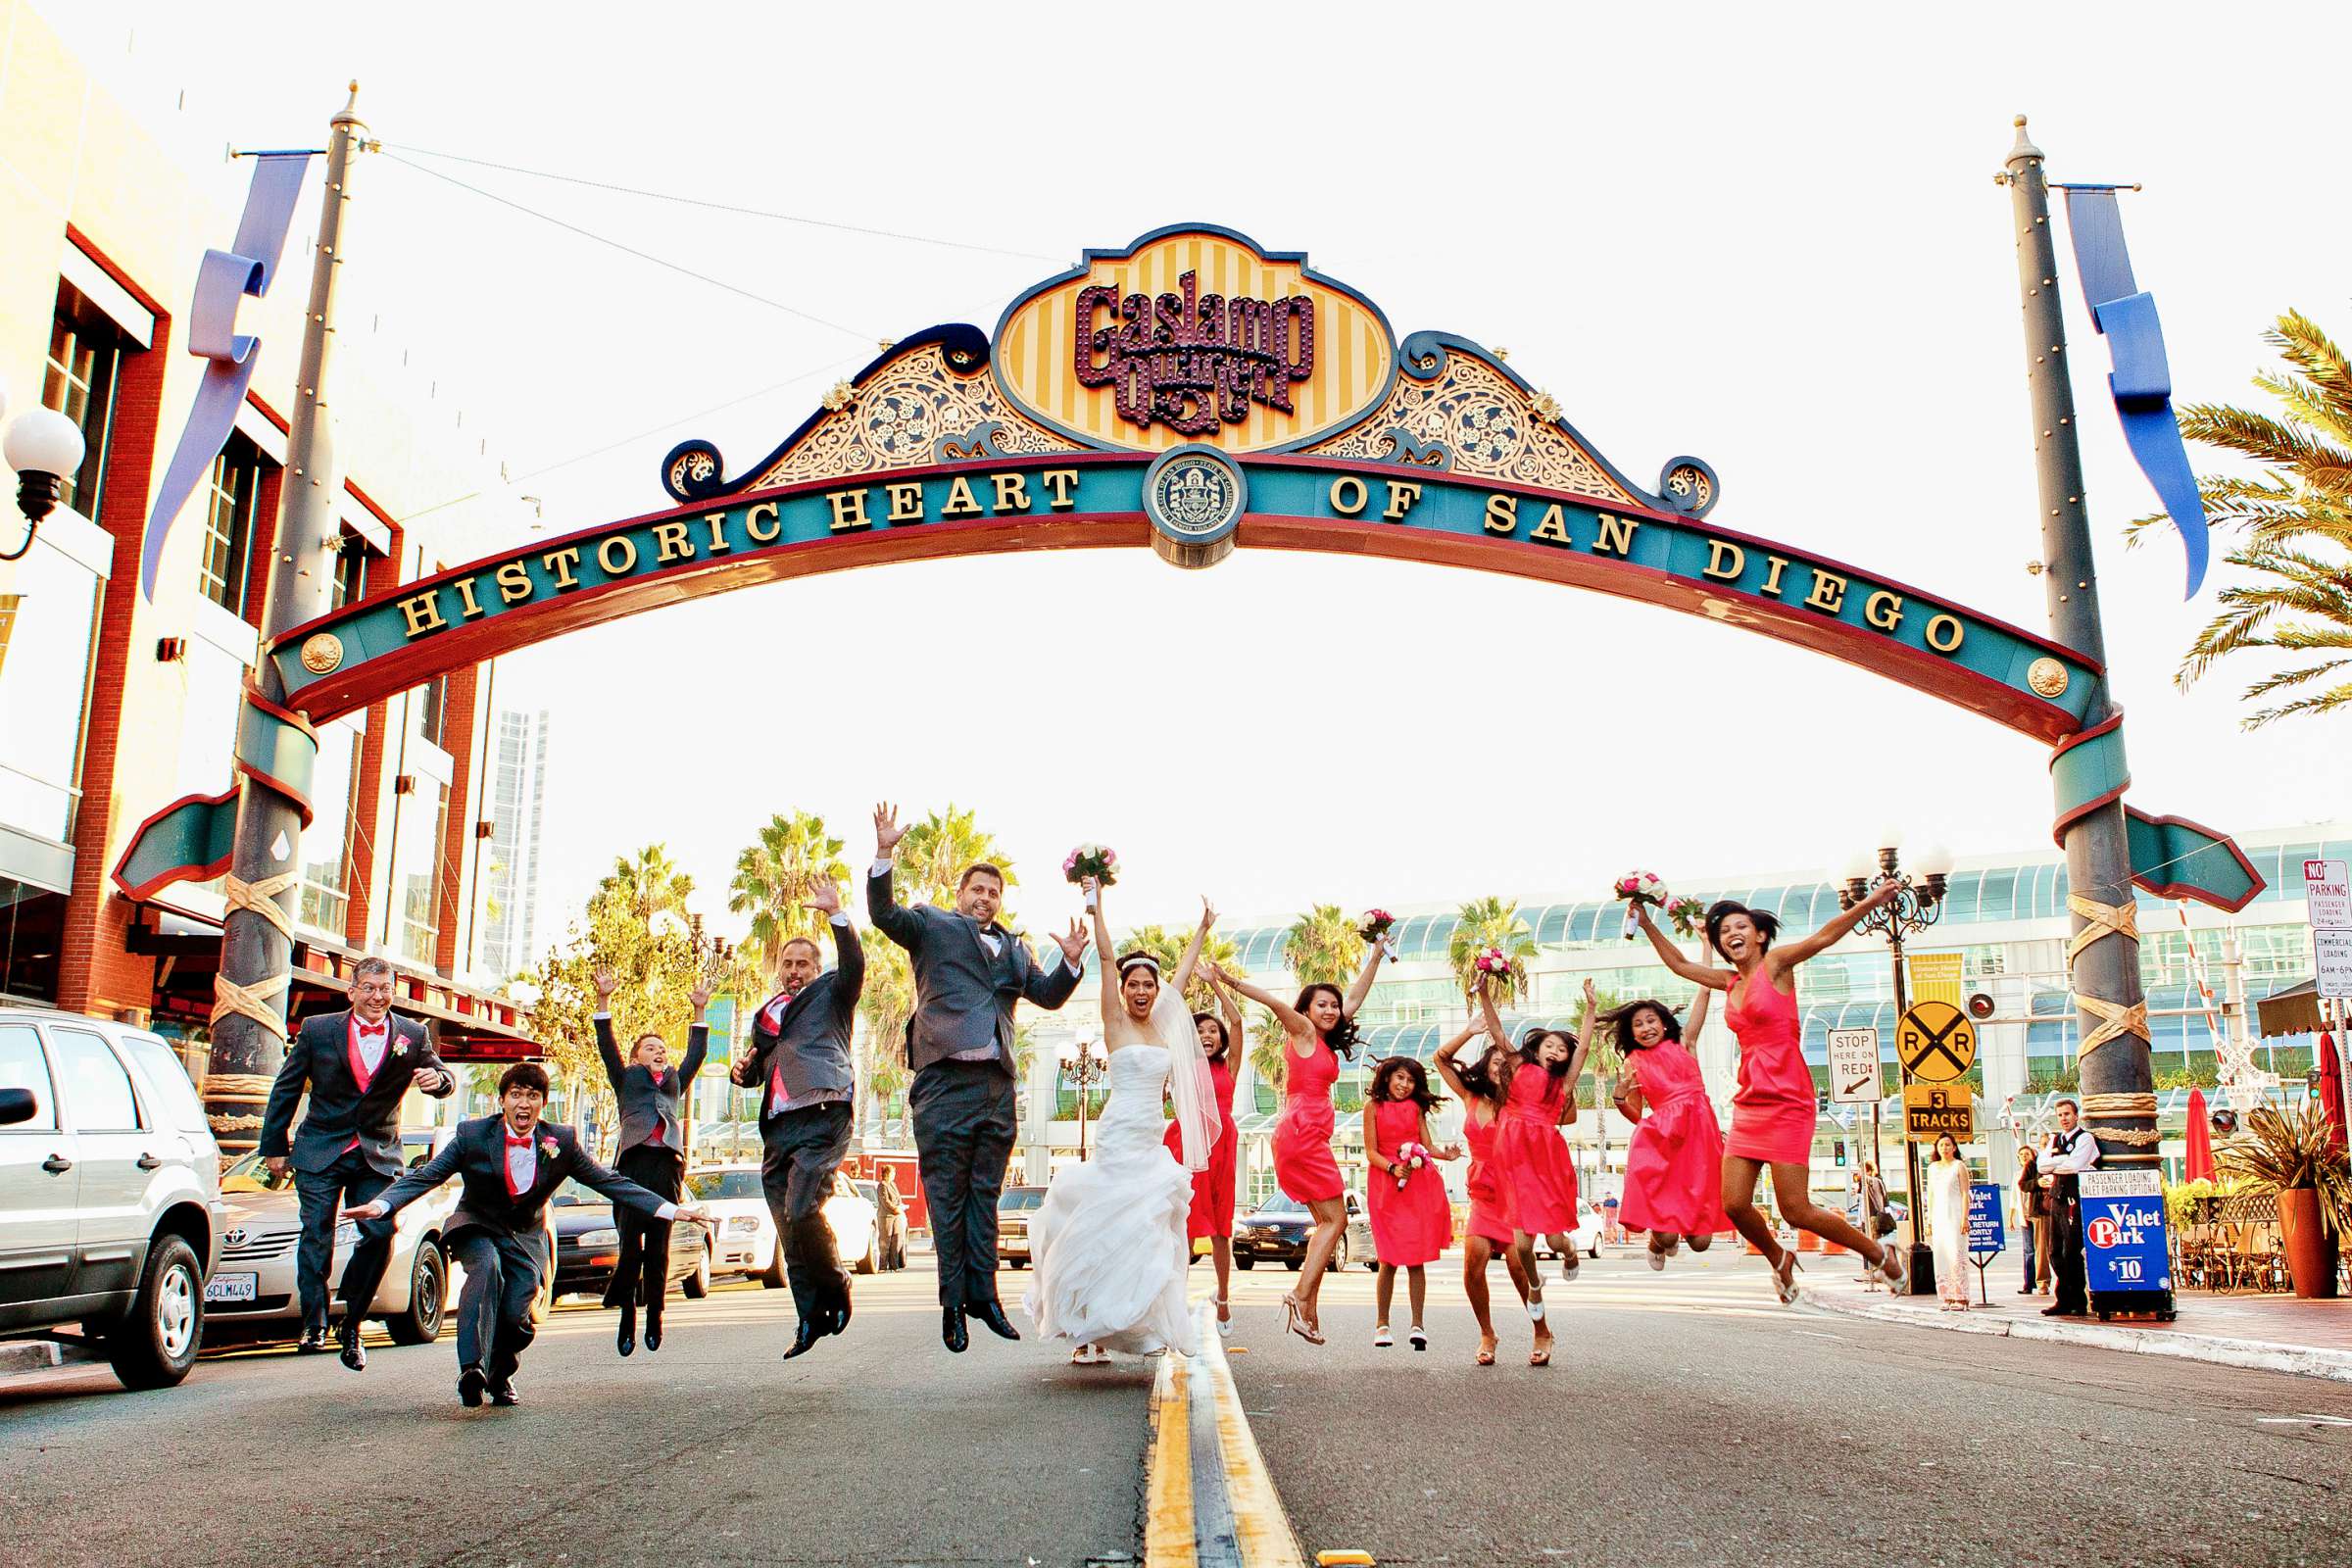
column 2099, row 851
column 253, row 952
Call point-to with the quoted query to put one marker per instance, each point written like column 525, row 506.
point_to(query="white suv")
column 110, row 1192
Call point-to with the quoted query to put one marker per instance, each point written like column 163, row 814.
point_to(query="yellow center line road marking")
column 1168, row 1483
column 1262, row 1528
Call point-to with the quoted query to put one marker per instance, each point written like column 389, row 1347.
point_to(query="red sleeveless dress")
column 1410, row 1224
column 1673, row 1170
column 1303, row 1166
column 1490, row 1215
column 1774, row 1110
column 1213, row 1189
column 1539, row 1180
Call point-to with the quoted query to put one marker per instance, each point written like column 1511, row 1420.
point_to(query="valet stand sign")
column 2126, row 1256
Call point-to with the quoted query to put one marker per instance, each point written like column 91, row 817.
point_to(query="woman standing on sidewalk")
column 1948, row 1223
column 1483, row 1088
column 2033, row 1219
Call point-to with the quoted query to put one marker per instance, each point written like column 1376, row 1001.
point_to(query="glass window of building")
column 327, row 844
column 231, row 497
column 85, row 353
column 433, row 708
column 351, row 572
column 423, row 820
column 33, row 930
column 49, row 603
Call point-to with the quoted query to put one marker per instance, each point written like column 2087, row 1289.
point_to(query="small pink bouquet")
column 1376, row 926
column 1493, row 964
column 1412, row 1156
column 1098, row 860
column 1688, row 915
column 1637, row 888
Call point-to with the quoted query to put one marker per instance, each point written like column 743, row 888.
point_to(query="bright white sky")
column 1774, row 243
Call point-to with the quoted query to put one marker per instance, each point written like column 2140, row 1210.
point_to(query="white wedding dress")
column 1107, row 1246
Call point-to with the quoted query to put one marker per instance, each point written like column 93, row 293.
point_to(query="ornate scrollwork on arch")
column 911, row 415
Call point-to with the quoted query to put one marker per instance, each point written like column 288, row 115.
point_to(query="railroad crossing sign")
column 1936, row 1042
column 1931, row 1110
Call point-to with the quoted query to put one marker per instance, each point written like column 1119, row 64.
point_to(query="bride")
column 1109, row 1244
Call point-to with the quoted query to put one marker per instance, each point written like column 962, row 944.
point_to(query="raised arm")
column 1672, row 956
column 1792, row 954
column 892, row 918
column 1293, row 1020
column 1444, row 1064
column 1109, row 975
column 698, row 1035
column 607, row 1049
column 411, row 1186
column 1363, row 982
column 1230, row 1013
column 1492, row 1018
column 1192, row 949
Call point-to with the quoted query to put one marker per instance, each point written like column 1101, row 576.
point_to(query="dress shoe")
column 838, row 1314
column 809, row 1331
column 653, row 1328
column 312, row 1343
column 469, row 1386
column 625, row 1342
column 950, row 1329
column 992, row 1316
column 355, row 1354
column 503, row 1392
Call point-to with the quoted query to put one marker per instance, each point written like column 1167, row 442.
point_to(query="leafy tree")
column 772, row 877
column 650, row 883
column 1168, row 948
column 1490, row 922
column 935, row 851
column 1324, row 947
column 2295, row 517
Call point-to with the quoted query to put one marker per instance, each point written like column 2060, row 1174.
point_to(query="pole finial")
column 2024, row 148
column 349, row 114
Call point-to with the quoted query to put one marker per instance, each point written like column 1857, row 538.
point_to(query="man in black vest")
column 969, row 976
column 799, row 1057
column 2069, row 1152
column 510, row 1164
column 358, row 1064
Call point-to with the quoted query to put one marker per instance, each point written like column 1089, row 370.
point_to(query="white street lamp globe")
column 1935, row 860
column 43, row 441
column 1856, row 867
column 1890, row 837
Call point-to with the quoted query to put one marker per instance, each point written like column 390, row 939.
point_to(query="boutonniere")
column 399, row 1048
column 546, row 1146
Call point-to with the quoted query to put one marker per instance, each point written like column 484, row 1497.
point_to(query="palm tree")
column 1269, row 1048
column 936, row 852
column 772, row 877
column 1323, row 948
column 1168, row 948
column 1490, row 922
column 649, row 885
column 2296, row 521
column 885, row 1004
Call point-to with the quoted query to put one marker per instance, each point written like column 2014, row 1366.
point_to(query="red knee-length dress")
column 1773, row 1110
column 1539, row 1180
column 1410, row 1224
column 1303, row 1166
column 1213, row 1189
column 1673, row 1170
column 1489, row 1214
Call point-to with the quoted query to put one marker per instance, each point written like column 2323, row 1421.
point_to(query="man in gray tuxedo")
column 969, row 974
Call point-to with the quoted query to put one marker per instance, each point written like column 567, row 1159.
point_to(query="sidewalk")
column 2269, row 1333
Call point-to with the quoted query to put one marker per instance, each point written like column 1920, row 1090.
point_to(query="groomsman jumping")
column 969, row 974
column 509, row 1165
column 801, row 1057
column 358, row 1064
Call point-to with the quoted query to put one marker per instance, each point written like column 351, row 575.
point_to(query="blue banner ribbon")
column 2142, row 382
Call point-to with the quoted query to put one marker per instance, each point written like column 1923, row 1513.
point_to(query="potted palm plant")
column 2290, row 1156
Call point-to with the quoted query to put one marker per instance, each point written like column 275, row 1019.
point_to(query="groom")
column 969, row 974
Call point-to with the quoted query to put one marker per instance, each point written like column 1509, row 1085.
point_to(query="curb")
column 2259, row 1356
column 1208, row 1499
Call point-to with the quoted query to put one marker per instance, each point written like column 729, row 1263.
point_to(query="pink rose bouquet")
column 1098, row 860
column 1637, row 888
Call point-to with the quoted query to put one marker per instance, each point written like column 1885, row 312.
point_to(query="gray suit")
column 647, row 1103
column 963, row 1111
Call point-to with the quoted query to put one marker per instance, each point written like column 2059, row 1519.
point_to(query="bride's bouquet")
column 1378, row 927
column 1637, row 888
column 1098, row 860
column 1413, row 1157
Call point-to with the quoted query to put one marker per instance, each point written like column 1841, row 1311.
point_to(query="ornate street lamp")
column 1918, row 907
column 42, row 446
column 1085, row 1072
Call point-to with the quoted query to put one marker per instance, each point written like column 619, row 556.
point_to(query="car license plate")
column 224, row 1288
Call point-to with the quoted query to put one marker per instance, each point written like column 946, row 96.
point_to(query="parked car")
column 1276, row 1232
column 588, row 1247
column 252, row 1294
column 1014, row 1206
column 110, row 1193
column 745, row 1240
column 1586, row 1237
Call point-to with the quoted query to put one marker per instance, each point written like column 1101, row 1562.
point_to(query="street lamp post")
column 1918, row 907
column 1084, row 1070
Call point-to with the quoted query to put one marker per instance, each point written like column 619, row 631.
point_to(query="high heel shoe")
column 1224, row 1323
column 1783, row 1278
column 1294, row 1320
column 1891, row 1266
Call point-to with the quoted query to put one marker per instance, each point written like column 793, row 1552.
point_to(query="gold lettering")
column 1945, row 633
column 1502, row 514
column 848, row 510
column 1400, row 500
column 1883, row 609
column 1829, row 592
column 1616, row 534
column 961, row 503
column 423, row 612
column 1720, row 550
column 628, row 555
column 751, row 524
column 469, row 605
column 716, row 523
column 560, row 563
column 1012, row 492
column 670, row 543
column 513, row 582
column 906, row 503
column 1059, row 481
column 1554, row 527
column 1774, row 566
column 1347, row 484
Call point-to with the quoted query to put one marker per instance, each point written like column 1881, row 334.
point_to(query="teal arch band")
column 191, row 838
column 2171, row 856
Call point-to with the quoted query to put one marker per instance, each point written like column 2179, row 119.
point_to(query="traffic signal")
column 1840, row 1146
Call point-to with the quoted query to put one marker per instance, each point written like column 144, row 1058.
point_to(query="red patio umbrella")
column 2332, row 1089
column 2200, row 1137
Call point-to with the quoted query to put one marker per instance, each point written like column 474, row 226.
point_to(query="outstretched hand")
column 372, row 1209
column 696, row 1214
column 887, row 831
column 1591, row 995
column 824, row 897
column 1073, row 944
column 607, row 982
column 1209, row 913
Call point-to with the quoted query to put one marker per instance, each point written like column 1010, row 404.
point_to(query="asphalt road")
column 1689, row 1418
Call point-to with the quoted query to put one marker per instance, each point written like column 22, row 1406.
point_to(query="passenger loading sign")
column 2123, row 1244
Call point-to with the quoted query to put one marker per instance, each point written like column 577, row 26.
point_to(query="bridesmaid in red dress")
column 1482, row 1086
column 1530, row 1158
column 1674, row 1167
column 1318, row 1030
column 1774, row 1110
column 1411, row 1218
column 1213, row 1189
